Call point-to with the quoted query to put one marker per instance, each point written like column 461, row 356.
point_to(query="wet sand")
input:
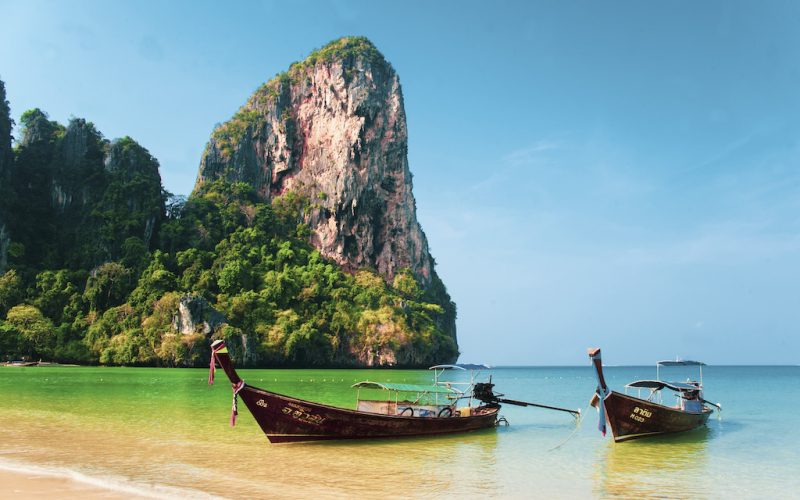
column 19, row 484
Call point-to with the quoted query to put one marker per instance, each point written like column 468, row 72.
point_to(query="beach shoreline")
column 32, row 484
column 20, row 480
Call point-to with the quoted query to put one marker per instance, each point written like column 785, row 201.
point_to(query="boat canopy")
column 431, row 389
column 681, row 363
column 446, row 367
column 657, row 385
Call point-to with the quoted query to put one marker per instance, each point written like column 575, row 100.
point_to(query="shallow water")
column 165, row 433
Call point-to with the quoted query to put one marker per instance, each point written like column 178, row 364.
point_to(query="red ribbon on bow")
column 213, row 366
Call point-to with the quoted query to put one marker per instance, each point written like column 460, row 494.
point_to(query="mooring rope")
column 235, row 407
column 574, row 431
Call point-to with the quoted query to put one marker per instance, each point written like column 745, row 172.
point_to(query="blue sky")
column 621, row 174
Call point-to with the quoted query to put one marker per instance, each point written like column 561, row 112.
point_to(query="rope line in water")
column 577, row 427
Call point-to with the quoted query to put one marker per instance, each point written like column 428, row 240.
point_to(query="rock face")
column 332, row 128
column 76, row 197
column 134, row 187
column 195, row 315
column 5, row 133
column 6, row 158
column 77, row 168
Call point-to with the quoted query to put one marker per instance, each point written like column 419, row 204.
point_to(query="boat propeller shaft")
column 483, row 392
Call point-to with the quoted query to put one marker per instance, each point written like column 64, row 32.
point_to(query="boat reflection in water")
column 456, row 465
column 660, row 467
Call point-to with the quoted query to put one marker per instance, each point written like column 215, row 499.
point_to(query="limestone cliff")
column 133, row 192
column 5, row 133
column 75, row 197
column 332, row 128
column 6, row 158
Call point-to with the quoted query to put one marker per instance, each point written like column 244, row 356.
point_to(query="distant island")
column 299, row 245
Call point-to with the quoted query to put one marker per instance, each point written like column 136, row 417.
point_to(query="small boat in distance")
column 406, row 410
column 634, row 417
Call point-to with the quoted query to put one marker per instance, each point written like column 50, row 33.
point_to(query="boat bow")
column 602, row 388
column 219, row 354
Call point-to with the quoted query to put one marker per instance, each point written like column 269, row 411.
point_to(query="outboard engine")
column 482, row 391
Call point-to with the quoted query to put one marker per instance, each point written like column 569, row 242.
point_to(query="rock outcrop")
column 196, row 315
column 332, row 128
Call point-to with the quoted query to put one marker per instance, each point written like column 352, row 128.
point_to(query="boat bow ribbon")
column 602, row 388
column 218, row 349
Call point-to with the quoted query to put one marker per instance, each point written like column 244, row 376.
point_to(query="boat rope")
column 574, row 431
column 235, row 407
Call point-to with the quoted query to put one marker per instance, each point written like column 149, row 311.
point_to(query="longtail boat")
column 634, row 417
column 408, row 409
column 18, row 364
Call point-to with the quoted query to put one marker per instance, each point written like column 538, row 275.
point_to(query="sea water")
column 166, row 433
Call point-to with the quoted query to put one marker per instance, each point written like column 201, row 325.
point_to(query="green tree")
column 134, row 254
column 154, row 282
column 405, row 283
column 107, row 286
column 56, row 296
column 9, row 341
column 10, row 290
column 36, row 332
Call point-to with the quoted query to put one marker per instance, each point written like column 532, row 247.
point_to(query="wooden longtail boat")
column 635, row 417
column 18, row 364
column 432, row 411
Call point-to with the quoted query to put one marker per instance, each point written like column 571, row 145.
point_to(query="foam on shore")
column 26, row 480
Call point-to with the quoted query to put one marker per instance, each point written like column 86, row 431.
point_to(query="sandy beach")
column 20, row 480
column 19, row 484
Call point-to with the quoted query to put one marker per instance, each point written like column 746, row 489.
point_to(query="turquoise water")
column 165, row 432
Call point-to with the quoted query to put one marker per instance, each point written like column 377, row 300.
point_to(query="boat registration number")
column 640, row 414
column 301, row 414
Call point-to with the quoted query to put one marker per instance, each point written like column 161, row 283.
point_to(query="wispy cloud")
column 531, row 154
column 733, row 242
column 723, row 153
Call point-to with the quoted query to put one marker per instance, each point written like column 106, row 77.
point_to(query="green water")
column 165, row 432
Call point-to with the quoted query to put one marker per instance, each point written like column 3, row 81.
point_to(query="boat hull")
column 286, row 419
column 634, row 418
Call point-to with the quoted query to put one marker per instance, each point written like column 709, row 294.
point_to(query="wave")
column 106, row 482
